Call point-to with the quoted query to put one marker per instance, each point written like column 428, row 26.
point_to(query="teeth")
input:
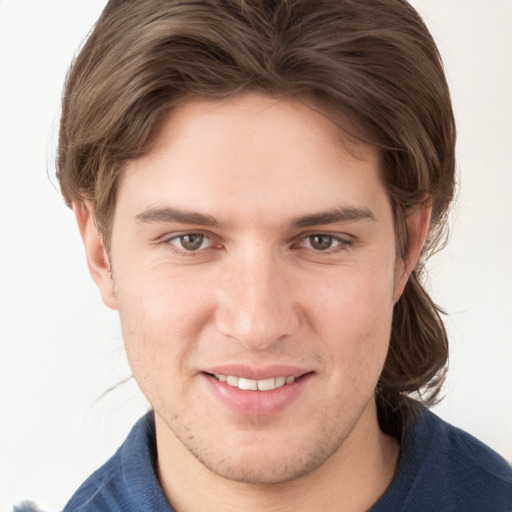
column 232, row 381
column 280, row 381
column 248, row 384
column 255, row 385
column 266, row 384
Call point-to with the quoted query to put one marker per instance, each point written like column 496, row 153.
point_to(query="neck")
column 351, row 480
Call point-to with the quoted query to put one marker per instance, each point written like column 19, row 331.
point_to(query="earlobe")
column 418, row 225
column 96, row 254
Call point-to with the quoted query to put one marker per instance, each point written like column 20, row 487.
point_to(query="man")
column 257, row 185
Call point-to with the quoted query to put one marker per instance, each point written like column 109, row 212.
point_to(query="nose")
column 256, row 304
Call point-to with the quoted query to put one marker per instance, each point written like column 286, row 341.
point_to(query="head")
column 370, row 69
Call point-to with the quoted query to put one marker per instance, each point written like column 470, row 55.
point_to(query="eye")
column 322, row 242
column 190, row 242
column 325, row 243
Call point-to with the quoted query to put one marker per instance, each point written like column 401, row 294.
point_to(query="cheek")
column 160, row 324
column 160, row 300
column 354, row 313
column 357, row 297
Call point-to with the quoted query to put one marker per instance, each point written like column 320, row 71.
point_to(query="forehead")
column 249, row 156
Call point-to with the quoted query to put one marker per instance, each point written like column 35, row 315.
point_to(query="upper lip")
column 247, row 371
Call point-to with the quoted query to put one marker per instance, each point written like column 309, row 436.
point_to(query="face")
column 255, row 273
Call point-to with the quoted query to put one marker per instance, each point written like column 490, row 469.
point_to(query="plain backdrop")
column 61, row 349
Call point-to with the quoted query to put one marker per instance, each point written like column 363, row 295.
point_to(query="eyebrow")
column 340, row 214
column 169, row 214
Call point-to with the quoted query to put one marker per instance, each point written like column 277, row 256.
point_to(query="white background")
column 60, row 348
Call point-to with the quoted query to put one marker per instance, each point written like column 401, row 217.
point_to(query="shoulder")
column 466, row 449
column 103, row 487
column 460, row 452
column 457, row 469
column 128, row 480
column 441, row 467
column 474, row 472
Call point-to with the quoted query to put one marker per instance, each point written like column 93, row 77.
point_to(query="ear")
column 417, row 226
column 97, row 257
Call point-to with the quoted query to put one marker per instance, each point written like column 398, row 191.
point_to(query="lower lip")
column 256, row 403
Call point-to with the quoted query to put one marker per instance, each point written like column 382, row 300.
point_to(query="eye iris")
column 321, row 242
column 191, row 242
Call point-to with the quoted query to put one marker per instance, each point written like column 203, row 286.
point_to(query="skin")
column 259, row 290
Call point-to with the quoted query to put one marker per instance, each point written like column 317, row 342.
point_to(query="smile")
column 255, row 385
column 257, row 397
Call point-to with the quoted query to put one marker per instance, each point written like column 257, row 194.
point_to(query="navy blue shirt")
column 440, row 469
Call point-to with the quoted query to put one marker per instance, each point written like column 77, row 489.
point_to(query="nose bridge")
column 256, row 303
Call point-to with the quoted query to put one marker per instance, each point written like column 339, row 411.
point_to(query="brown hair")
column 373, row 61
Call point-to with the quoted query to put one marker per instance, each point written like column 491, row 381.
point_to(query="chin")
column 267, row 462
column 264, row 471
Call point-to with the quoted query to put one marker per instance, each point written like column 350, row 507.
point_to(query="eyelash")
column 183, row 252
column 342, row 243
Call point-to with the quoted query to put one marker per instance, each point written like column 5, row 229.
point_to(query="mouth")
column 245, row 384
column 257, row 392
